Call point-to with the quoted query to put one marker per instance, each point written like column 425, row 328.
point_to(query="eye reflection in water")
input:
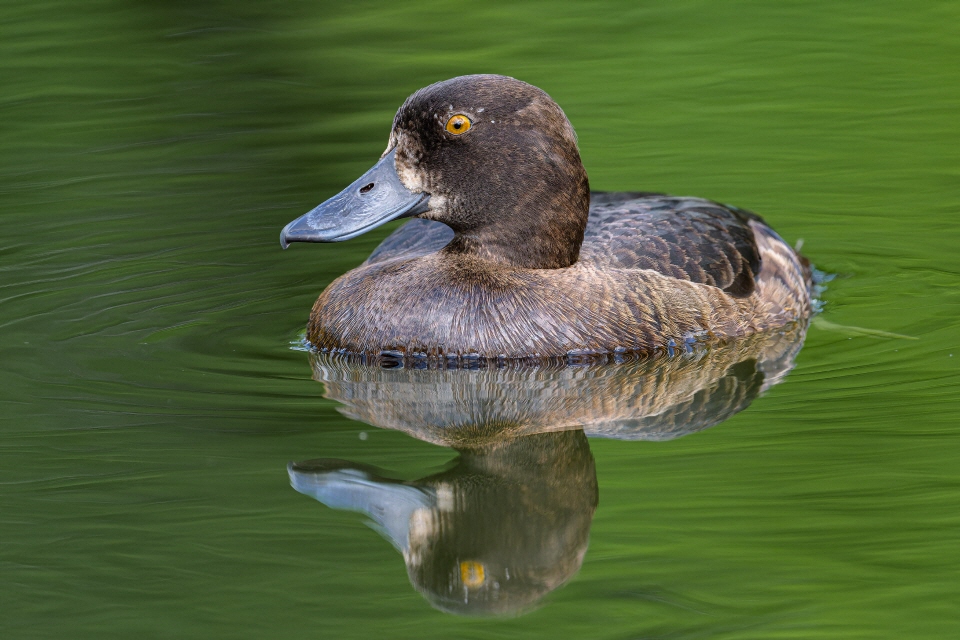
column 510, row 521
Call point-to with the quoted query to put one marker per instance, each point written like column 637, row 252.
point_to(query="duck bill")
column 373, row 199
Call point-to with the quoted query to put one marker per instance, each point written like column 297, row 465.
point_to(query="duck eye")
column 458, row 124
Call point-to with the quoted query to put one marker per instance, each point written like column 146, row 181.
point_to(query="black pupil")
column 457, row 124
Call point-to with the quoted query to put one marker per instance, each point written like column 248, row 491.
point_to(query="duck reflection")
column 510, row 521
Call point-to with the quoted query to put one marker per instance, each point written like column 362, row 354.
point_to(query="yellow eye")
column 471, row 573
column 458, row 124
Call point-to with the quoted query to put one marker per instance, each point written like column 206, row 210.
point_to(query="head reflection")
column 505, row 526
column 510, row 521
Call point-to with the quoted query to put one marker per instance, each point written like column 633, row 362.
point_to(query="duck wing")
column 414, row 239
column 686, row 238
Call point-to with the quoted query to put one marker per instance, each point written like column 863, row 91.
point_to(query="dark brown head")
column 500, row 161
column 492, row 157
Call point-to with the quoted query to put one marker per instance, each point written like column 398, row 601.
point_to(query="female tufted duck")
column 511, row 256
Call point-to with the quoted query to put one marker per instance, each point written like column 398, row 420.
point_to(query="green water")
column 151, row 152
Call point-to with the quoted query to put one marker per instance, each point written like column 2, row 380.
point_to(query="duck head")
column 493, row 158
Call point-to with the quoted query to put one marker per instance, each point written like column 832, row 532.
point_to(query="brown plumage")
column 513, row 258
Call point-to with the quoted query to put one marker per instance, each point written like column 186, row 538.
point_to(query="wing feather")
column 686, row 238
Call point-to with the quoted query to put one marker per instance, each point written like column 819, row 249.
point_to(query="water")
column 149, row 156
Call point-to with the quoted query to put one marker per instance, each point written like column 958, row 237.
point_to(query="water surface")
column 150, row 155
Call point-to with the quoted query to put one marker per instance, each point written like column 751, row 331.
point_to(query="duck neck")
column 544, row 232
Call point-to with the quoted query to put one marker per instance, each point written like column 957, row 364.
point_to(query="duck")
column 508, row 254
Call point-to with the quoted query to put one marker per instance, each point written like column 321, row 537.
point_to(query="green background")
column 150, row 152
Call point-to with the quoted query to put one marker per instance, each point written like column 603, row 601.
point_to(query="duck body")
column 629, row 291
column 513, row 257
